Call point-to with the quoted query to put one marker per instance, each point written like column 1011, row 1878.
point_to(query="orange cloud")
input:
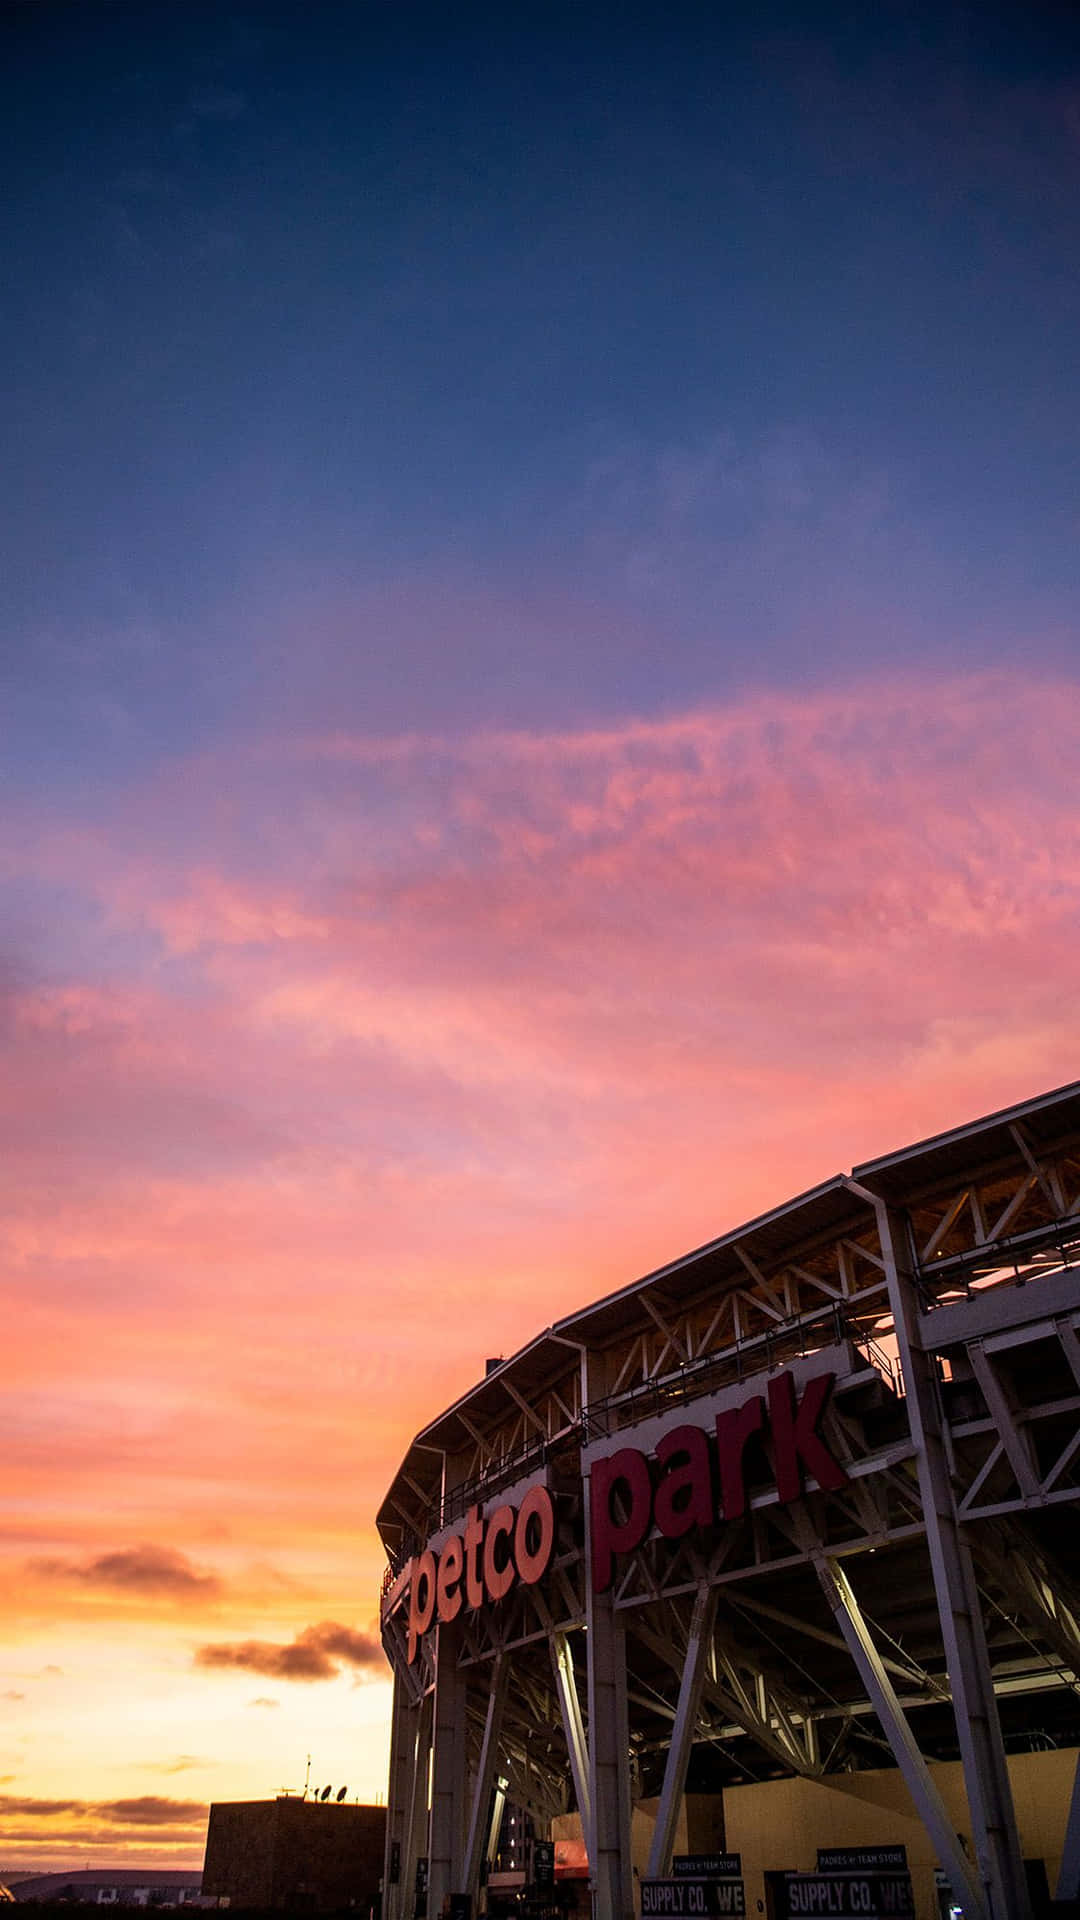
column 148, row 1571
column 315, row 1654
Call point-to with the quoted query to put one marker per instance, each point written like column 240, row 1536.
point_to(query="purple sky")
column 540, row 717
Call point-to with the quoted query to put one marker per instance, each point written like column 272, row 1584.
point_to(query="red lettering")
column 535, row 1525
column 796, row 1440
column 609, row 1536
column 449, row 1592
column 474, row 1534
column 498, row 1579
column 421, row 1611
column 684, row 1496
column 733, row 1430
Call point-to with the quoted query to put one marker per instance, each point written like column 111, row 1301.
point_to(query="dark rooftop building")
column 290, row 1852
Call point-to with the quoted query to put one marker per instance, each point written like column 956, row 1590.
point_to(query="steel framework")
column 919, row 1606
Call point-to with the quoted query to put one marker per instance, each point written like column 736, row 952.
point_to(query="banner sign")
column 700, row 1479
column 482, row 1563
column 692, row 1478
column 420, row 1908
column 707, row 1866
column 862, row 1859
column 543, row 1862
column 691, row 1897
column 845, row 1896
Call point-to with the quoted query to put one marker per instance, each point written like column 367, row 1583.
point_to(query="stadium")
column 763, row 1573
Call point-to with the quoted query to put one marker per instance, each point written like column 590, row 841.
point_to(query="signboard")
column 692, row 1478
column 420, row 1908
column 543, row 1863
column 844, row 1896
column 707, row 1866
column 862, row 1859
column 482, row 1563
column 691, row 1897
column 461, row 1906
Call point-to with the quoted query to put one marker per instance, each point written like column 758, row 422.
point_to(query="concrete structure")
column 304, row 1855
column 799, row 1507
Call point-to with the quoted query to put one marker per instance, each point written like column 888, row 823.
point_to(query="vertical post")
column 1068, row 1886
column 447, row 1823
column 682, row 1732
column 986, row 1775
column 416, row 1825
column 404, row 1724
column 610, row 1865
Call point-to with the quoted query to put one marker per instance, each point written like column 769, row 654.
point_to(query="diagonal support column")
column 920, row 1784
column 498, row 1808
column 682, row 1733
column 986, row 1775
column 478, row 1836
column 562, row 1662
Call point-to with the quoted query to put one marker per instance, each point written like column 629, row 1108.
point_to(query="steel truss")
column 941, row 1287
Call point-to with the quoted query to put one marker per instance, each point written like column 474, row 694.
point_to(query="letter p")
column 609, row 1536
column 421, row 1606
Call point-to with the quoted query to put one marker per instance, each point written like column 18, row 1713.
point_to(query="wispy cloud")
column 145, row 1810
column 149, row 1571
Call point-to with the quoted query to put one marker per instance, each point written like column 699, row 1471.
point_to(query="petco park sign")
column 692, row 1476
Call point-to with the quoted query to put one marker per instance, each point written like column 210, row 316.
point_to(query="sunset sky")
column 540, row 716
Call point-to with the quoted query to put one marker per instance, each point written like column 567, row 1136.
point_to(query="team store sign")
column 692, row 1478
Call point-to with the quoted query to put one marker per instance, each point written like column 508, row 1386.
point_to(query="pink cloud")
column 438, row 1037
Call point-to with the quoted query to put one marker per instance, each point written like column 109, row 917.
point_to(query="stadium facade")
column 800, row 1507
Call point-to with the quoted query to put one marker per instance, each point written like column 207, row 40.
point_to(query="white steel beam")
column 682, row 1733
column 562, row 1662
column 986, row 1777
column 404, row 1724
column 610, row 1862
column 920, row 1784
column 1015, row 1440
column 478, row 1836
column 416, row 1824
column 447, row 1821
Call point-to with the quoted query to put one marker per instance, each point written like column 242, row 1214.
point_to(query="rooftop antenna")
column 340, row 1795
column 325, row 1794
column 307, row 1776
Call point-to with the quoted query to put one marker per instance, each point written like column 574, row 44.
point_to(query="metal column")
column 986, row 1776
column 610, row 1864
column 404, row 1725
column 448, row 1778
column 416, row 1823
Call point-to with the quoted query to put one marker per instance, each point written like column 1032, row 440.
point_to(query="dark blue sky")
column 399, row 364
